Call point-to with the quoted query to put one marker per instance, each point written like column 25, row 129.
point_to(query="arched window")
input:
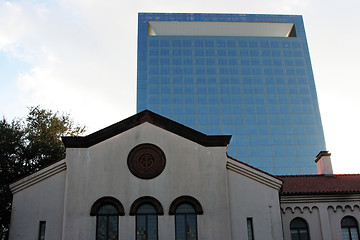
column 107, row 222
column 146, row 209
column 185, row 222
column 107, row 211
column 299, row 229
column 146, row 223
column 185, row 209
column 349, row 228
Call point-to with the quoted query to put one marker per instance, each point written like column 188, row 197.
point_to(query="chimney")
column 323, row 162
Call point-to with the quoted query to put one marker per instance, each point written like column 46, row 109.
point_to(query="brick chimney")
column 323, row 162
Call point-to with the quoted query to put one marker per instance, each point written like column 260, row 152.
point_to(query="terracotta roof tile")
column 320, row 184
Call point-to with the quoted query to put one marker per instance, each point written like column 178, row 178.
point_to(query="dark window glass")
column 250, row 229
column 107, row 223
column 146, row 223
column 299, row 229
column 185, row 223
column 349, row 228
column 42, row 230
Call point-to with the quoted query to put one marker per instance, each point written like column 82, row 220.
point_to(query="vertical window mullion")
column 107, row 228
column 186, row 226
column 147, row 227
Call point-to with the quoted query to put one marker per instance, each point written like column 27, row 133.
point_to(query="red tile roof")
column 320, row 184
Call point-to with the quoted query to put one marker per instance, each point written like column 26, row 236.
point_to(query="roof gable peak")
column 150, row 117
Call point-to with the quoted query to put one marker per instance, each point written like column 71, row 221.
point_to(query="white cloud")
column 79, row 64
column 83, row 56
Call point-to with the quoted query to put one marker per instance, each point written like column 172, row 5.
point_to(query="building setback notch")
column 236, row 29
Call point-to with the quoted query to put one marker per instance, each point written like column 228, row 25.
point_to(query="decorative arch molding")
column 283, row 210
column 343, row 207
column 306, row 208
column 104, row 201
column 300, row 208
column 149, row 200
column 301, row 219
column 331, row 208
column 351, row 217
column 186, row 199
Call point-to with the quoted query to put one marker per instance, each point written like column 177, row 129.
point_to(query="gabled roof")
column 253, row 173
column 320, row 184
column 153, row 118
column 255, row 168
column 38, row 176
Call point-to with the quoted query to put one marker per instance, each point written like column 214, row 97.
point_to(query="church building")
column 148, row 177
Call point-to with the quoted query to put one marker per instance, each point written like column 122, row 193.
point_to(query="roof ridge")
column 152, row 118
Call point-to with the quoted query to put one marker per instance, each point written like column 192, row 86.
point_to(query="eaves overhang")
column 153, row 118
column 253, row 173
column 38, row 176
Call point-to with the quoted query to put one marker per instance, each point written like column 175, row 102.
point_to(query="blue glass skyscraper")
column 245, row 75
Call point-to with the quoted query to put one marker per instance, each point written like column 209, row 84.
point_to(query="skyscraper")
column 245, row 75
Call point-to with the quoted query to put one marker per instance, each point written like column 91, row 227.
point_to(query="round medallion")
column 146, row 161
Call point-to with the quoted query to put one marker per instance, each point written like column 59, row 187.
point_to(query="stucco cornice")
column 320, row 198
column 332, row 202
column 153, row 118
column 38, row 176
column 258, row 176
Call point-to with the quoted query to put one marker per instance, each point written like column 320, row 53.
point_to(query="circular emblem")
column 146, row 161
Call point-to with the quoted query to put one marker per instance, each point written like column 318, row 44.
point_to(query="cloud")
column 83, row 53
column 81, row 60
column 81, row 56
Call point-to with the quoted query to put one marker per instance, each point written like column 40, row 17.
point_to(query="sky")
column 79, row 57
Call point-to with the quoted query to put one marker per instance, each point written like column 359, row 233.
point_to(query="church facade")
column 148, row 177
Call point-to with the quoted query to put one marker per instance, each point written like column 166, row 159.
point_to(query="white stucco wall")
column 229, row 191
column 250, row 198
column 41, row 201
column 322, row 213
column 102, row 170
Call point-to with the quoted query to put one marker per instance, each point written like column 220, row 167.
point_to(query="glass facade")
column 259, row 89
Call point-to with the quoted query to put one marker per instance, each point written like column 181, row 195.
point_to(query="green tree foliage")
column 27, row 145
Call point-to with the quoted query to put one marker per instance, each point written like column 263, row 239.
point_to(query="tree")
column 27, row 145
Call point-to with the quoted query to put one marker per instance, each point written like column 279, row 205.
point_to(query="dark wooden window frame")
column 103, row 202
column 299, row 228
column 186, row 200
column 356, row 224
column 146, row 200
